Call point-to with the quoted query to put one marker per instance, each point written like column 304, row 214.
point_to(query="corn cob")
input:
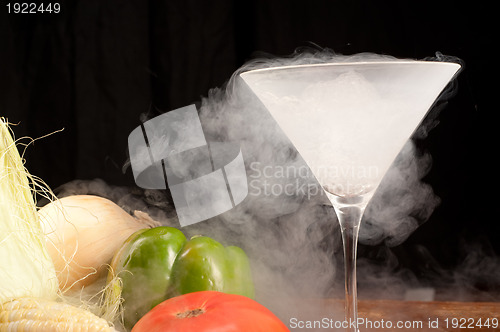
column 34, row 314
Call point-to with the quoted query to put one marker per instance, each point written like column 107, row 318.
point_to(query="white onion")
column 83, row 234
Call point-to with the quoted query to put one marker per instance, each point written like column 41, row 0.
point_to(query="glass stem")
column 349, row 219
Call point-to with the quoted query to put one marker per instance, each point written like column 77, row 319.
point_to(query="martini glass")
column 349, row 120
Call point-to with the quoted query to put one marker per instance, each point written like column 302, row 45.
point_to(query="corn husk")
column 26, row 269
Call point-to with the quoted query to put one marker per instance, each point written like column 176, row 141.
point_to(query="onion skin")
column 83, row 233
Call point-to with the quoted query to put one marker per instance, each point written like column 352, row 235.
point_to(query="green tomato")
column 144, row 265
column 159, row 263
column 205, row 264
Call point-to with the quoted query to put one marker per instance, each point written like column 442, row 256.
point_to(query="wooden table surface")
column 379, row 315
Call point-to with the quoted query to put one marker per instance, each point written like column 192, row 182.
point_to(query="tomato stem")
column 190, row 313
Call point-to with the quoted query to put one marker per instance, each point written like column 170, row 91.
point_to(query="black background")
column 95, row 67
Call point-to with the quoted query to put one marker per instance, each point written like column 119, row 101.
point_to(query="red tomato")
column 210, row 311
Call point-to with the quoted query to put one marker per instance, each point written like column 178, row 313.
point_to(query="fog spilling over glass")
column 354, row 118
